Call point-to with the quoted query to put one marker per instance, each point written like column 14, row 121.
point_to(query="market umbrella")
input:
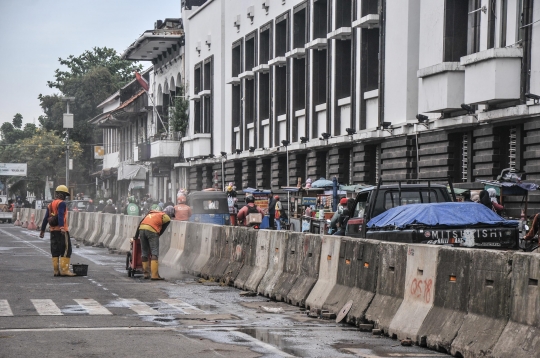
column 334, row 194
column 322, row 183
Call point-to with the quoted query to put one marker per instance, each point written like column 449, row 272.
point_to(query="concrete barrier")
column 242, row 250
column 248, row 255
column 308, row 270
column 327, row 273
column 220, row 247
column 291, row 269
column 164, row 241
column 88, row 226
column 390, row 284
column 173, row 257
column 109, row 225
column 96, row 227
column 24, row 217
column 73, row 217
column 450, row 300
column 520, row 337
column 356, row 279
column 262, row 248
column 14, row 216
column 276, row 263
column 208, row 232
column 420, row 281
column 130, row 228
column 118, row 231
column 488, row 306
column 39, row 218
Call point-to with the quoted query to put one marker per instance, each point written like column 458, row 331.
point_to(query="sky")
column 35, row 33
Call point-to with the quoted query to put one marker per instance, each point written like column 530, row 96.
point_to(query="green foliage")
column 17, row 120
column 11, row 134
column 179, row 112
column 45, row 155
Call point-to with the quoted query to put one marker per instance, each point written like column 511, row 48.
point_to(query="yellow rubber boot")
column 146, row 270
column 154, row 265
column 55, row 266
column 64, row 267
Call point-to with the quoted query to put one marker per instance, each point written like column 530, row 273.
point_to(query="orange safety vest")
column 182, row 212
column 53, row 210
column 154, row 219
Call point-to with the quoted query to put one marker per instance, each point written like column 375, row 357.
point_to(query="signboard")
column 13, row 169
column 309, row 201
column 68, row 120
column 99, row 152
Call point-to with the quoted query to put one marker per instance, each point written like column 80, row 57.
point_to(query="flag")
column 142, row 81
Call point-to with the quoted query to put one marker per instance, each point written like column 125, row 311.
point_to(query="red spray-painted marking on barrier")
column 422, row 289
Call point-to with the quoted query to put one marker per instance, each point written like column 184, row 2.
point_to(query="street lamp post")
column 68, row 123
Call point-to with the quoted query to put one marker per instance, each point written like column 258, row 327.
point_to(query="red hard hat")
column 343, row 201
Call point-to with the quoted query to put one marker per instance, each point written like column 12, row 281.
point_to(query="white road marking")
column 182, row 306
column 5, row 310
column 92, row 306
column 142, row 309
column 47, row 308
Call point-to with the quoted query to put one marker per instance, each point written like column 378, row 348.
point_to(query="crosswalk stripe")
column 182, row 306
column 5, row 310
column 92, row 306
column 140, row 308
column 46, row 308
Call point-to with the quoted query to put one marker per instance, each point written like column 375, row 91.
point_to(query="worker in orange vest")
column 151, row 227
column 57, row 218
column 182, row 211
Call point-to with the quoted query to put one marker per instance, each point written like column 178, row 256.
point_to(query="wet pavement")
column 184, row 314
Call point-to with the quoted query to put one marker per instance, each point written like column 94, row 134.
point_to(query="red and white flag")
column 142, row 81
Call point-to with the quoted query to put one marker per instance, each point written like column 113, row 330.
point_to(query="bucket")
column 80, row 269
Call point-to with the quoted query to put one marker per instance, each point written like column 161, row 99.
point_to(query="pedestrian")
column 342, row 222
column 182, row 212
column 493, row 197
column 335, row 218
column 160, row 204
column 485, row 200
column 101, row 206
column 280, row 213
column 132, row 208
column 272, row 212
column 109, row 208
column 56, row 216
column 250, row 208
column 90, row 208
column 151, row 227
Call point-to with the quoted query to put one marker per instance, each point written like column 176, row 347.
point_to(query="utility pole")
column 68, row 124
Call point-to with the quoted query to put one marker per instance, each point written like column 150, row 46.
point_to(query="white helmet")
column 101, row 201
column 109, row 202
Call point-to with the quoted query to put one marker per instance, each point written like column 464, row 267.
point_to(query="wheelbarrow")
column 134, row 258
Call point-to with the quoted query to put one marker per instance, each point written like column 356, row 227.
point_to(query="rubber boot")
column 154, row 265
column 55, row 266
column 64, row 267
column 146, row 270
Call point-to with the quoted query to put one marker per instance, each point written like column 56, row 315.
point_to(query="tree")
column 17, row 120
column 44, row 154
column 90, row 78
column 179, row 113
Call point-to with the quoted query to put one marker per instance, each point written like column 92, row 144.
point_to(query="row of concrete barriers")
column 467, row 302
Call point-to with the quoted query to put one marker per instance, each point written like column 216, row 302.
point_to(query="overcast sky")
column 35, row 33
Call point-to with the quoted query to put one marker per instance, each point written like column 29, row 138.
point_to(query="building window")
column 473, row 37
column 281, row 35
column 236, row 91
column 249, row 100
column 492, row 20
column 320, row 19
column 197, row 86
column 503, row 21
column 264, row 96
column 264, row 45
column 343, row 13
column 319, row 77
column 251, row 52
column 343, row 69
column 455, row 30
column 281, row 90
column 370, row 7
column 300, row 29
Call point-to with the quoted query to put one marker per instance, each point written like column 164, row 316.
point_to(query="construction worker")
column 182, row 211
column 151, row 227
column 57, row 218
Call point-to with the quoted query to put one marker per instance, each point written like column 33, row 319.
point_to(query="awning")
column 136, row 184
column 131, row 172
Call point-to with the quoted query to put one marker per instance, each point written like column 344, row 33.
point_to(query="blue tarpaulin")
column 439, row 214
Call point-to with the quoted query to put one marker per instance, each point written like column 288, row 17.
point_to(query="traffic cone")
column 31, row 223
column 17, row 222
column 25, row 224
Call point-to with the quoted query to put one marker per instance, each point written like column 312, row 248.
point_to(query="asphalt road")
column 108, row 314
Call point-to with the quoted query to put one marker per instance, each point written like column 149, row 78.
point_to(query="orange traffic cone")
column 31, row 223
column 17, row 222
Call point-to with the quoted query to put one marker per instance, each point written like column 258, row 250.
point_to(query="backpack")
column 252, row 209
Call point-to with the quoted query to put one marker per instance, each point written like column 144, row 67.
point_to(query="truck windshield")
column 391, row 197
column 361, row 205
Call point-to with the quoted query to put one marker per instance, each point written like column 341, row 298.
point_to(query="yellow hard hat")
column 62, row 189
